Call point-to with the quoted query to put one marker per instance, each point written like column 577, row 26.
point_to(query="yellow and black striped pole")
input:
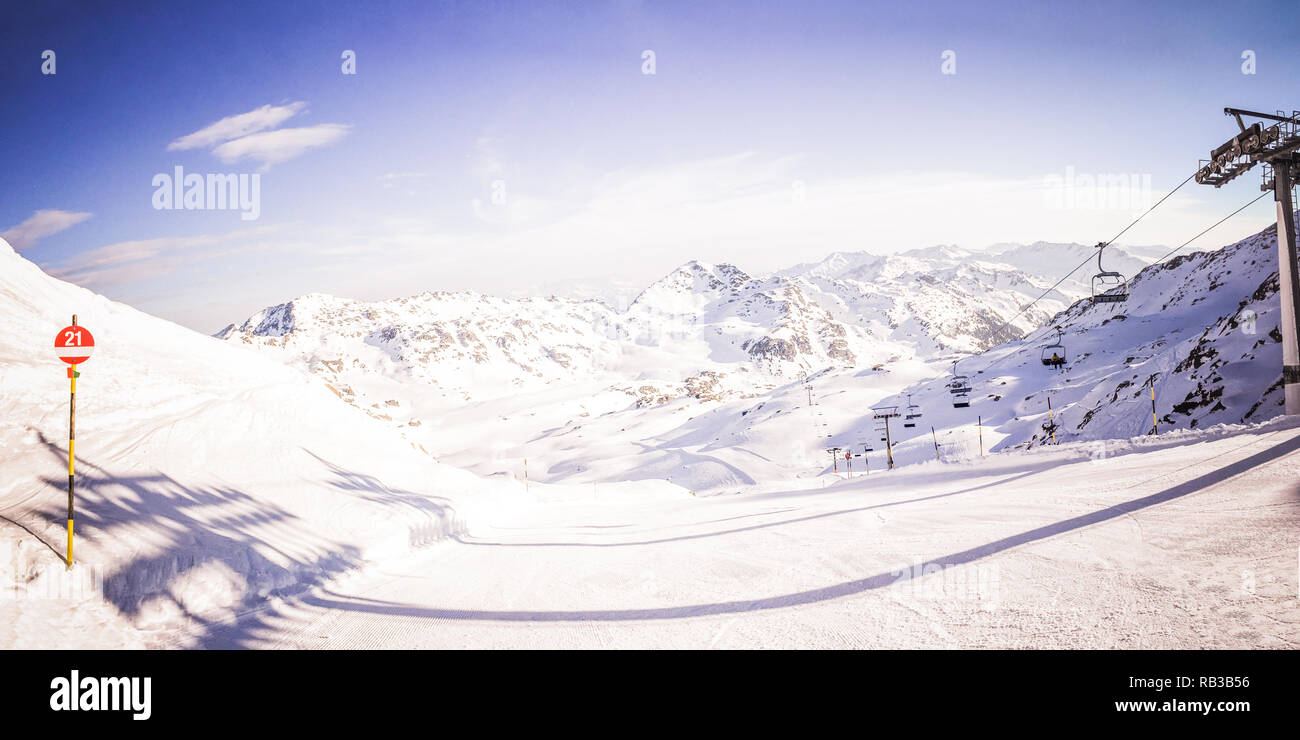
column 72, row 444
column 1051, row 419
column 1155, row 423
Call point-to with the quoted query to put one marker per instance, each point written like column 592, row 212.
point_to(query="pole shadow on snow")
column 848, row 588
column 185, row 527
column 437, row 520
column 435, row 517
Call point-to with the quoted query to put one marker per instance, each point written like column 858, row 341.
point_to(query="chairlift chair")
column 912, row 414
column 1108, row 286
column 1053, row 355
column 960, row 389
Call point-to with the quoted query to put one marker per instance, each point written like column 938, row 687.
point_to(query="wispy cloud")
column 40, row 225
column 234, row 127
column 273, row 147
column 131, row 261
column 254, row 136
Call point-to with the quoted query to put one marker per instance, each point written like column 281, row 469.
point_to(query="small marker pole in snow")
column 74, row 345
column 1051, row 420
column 72, row 442
column 1155, row 423
column 935, row 437
column 980, row 421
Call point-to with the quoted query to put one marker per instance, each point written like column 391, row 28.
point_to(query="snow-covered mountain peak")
column 689, row 287
column 943, row 252
column 745, row 333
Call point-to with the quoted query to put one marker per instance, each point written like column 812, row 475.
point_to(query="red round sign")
column 74, row 344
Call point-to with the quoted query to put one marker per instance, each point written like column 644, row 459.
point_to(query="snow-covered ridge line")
column 848, row 310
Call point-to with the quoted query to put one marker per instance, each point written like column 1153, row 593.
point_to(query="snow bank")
column 208, row 478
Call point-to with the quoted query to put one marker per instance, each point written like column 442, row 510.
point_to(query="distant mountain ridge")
column 850, row 309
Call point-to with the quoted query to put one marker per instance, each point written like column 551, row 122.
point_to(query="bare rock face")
column 771, row 348
column 705, row 386
column 650, row 395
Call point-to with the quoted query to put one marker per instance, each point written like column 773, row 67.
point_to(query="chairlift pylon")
column 1108, row 286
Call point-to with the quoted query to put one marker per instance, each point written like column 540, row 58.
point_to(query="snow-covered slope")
column 208, row 478
column 1183, row 540
column 1187, row 326
column 1201, row 328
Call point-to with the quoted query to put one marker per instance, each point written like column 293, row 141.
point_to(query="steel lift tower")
column 1274, row 146
column 887, row 413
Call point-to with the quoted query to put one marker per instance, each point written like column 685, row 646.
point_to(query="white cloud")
column 129, row 262
column 234, row 127
column 253, row 135
column 40, row 225
column 768, row 213
column 273, row 147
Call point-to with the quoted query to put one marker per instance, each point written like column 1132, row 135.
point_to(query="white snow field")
column 1185, row 541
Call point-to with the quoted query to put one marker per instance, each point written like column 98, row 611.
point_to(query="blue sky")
column 770, row 133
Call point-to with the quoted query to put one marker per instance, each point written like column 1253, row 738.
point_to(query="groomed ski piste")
column 226, row 499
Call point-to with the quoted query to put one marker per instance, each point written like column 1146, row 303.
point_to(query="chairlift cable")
column 1216, row 223
column 1080, row 265
column 1152, row 208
